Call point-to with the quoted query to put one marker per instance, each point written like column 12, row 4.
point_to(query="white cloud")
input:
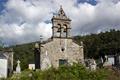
column 101, row 17
column 29, row 10
column 24, row 20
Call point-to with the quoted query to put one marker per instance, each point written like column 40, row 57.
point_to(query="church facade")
column 60, row 49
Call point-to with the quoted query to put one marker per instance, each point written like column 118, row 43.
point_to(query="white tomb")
column 6, row 63
column 31, row 66
column 110, row 60
column 3, row 68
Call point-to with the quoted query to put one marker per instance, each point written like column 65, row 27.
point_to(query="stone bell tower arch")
column 61, row 25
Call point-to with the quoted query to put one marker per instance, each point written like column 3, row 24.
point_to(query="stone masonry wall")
column 72, row 51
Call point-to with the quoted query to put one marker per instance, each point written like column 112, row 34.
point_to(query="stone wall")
column 62, row 49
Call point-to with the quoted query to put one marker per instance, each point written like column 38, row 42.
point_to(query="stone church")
column 60, row 48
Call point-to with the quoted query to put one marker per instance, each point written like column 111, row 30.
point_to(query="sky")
column 23, row 21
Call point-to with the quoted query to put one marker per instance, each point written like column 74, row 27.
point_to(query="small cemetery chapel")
column 60, row 48
column 6, row 63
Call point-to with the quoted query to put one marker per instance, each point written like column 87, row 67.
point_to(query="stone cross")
column 18, row 69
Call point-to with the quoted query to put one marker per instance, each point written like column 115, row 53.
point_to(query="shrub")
column 75, row 72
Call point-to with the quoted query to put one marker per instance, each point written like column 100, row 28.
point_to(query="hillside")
column 24, row 53
column 94, row 46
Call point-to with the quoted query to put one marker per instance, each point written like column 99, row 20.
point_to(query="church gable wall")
column 72, row 52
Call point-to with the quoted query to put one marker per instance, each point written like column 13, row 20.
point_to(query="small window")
column 62, row 49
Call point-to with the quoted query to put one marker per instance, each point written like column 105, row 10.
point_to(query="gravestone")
column 18, row 69
column 93, row 64
column 111, row 60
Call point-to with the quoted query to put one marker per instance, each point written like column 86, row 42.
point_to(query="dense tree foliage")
column 24, row 53
column 96, row 45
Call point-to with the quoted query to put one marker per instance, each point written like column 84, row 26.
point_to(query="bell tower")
column 61, row 25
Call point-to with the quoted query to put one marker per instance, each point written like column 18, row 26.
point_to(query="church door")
column 63, row 61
